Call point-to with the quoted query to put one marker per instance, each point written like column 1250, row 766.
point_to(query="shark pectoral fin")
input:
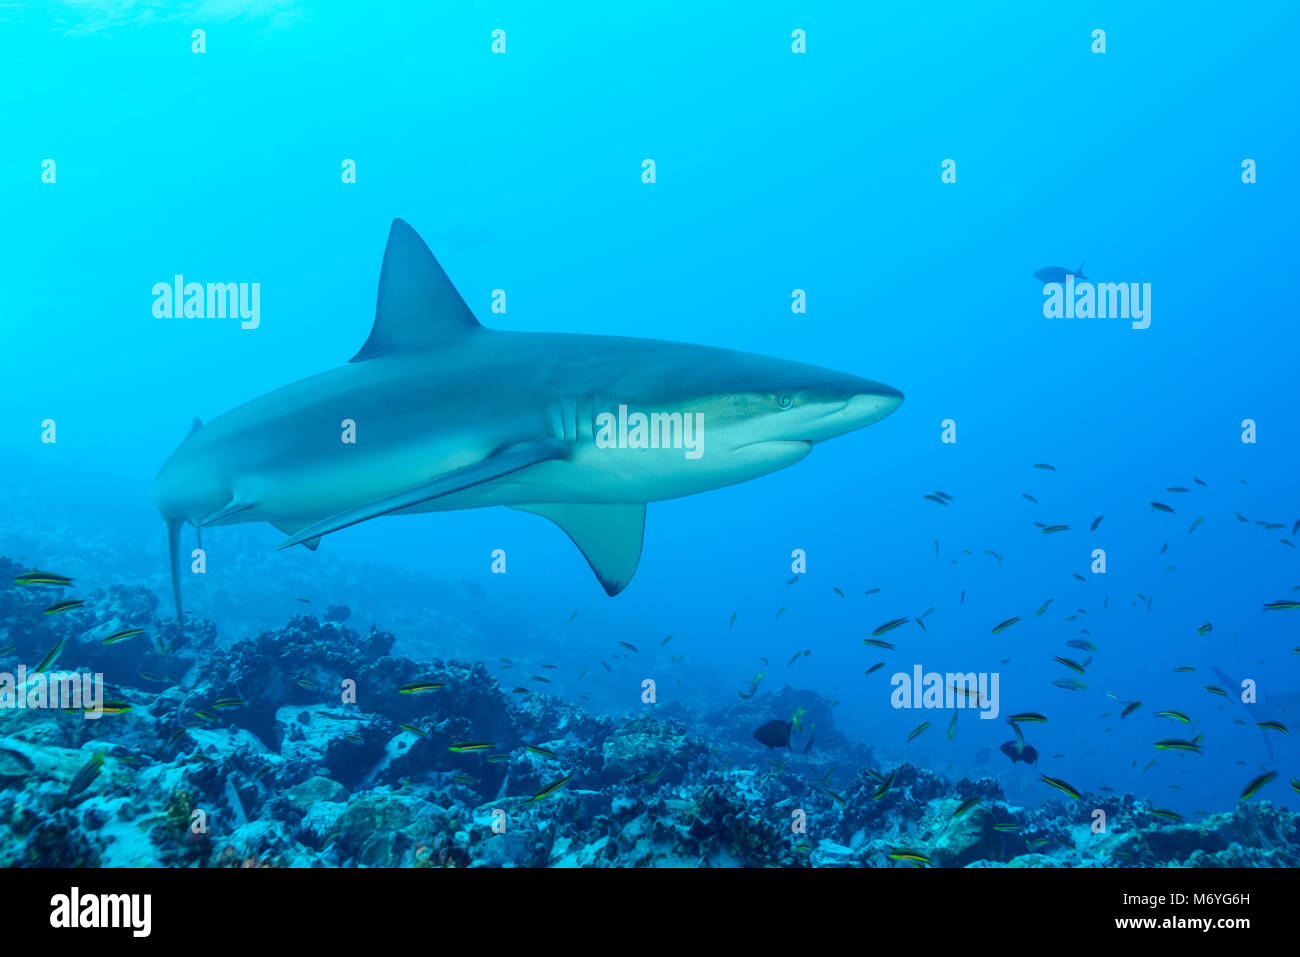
column 174, row 552
column 418, row 307
column 609, row 537
column 495, row 466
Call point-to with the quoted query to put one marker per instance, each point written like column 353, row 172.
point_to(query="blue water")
column 775, row 171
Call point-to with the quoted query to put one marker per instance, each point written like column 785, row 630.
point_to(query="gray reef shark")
column 437, row 412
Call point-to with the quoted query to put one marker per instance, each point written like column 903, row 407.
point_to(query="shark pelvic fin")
column 233, row 507
column 500, row 463
column 174, row 552
column 609, row 537
column 418, row 307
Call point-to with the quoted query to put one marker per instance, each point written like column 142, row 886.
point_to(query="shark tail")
column 174, row 549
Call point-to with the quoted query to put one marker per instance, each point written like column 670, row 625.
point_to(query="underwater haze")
column 1064, row 234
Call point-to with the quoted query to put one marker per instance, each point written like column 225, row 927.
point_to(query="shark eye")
column 784, row 402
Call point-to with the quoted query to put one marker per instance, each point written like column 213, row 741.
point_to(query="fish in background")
column 1058, row 273
column 774, row 734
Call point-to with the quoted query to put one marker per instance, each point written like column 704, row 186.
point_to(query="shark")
column 437, row 412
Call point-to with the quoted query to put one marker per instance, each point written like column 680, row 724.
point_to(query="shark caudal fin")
column 418, row 307
column 174, row 553
column 609, row 537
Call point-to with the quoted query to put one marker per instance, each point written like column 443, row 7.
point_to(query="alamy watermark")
column 215, row 300
column 654, row 430
column 1098, row 300
column 60, row 690
column 939, row 690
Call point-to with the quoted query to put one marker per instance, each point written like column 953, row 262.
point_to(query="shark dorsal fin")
column 194, row 427
column 418, row 306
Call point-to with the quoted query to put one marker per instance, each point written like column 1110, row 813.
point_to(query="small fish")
column 1070, row 684
column 414, row 730
column 61, row 606
column 1006, row 827
column 965, row 806
column 541, row 679
column 997, row 629
column 1095, row 522
column 1079, row 577
column 418, row 687
column 225, row 704
column 876, row 667
column 496, row 758
column 1081, row 644
column 878, row 643
column 205, row 715
column 122, row 636
column 665, row 641
column 354, row 738
column 918, row 729
column 1028, row 496
column 780, row 611
column 305, row 601
column 884, row 787
column 465, row 779
column 1176, row 715
column 1060, row 785
column 1283, row 605
column 889, row 626
column 112, row 707
column 793, row 580
column 304, row 683
column 1178, row 744
column 1069, row 663
column 1028, row 717
column 654, row 777
column 1130, row 709
column 43, row 578
column 952, row 728
column 935, row 498
column 871, row 591
column 943, row 495
column 551, row 788
column 838, row 591
column 1044, row 465
column 1184, row 669
column 1257, row 783
column 1041, row 610
column 605, row 666
column 733, row 620
column 544, row 752
column 1162, row 507
column 462, row 746
column 552, row 667
column 519, row 690
column 1215, row 689
column 628, row 645
column 903, row 854
column 50, row 656
column 1205, row 629
column 86, row 776
column 574, row 615
column 1273, row 726
column 1049, row 529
